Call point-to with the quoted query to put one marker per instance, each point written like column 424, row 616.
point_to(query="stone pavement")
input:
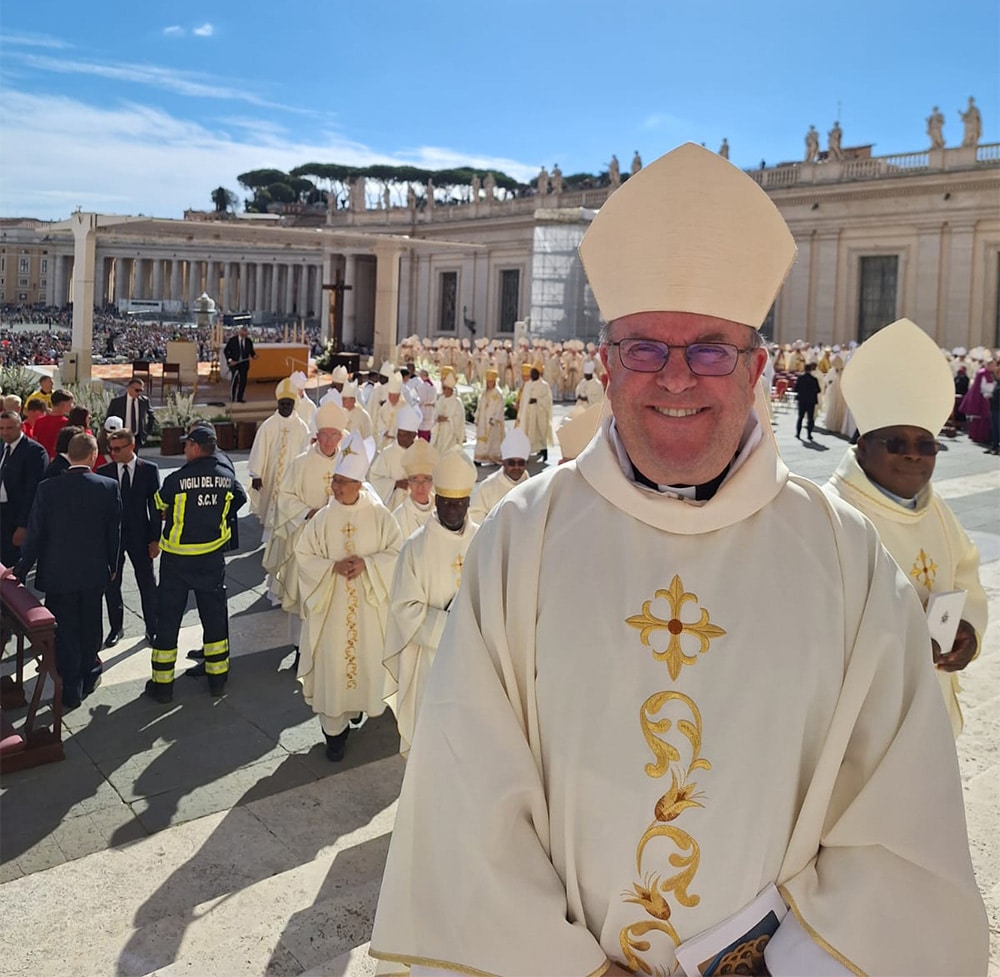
column 213, row 836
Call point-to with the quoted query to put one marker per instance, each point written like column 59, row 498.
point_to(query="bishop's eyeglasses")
column 901, row 446
column 703, row 359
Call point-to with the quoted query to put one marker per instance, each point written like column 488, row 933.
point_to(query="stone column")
column 122, row 270
column 274, row 303
column 59, row 280
column 957, row 277
column 242, row 302
column 157, row 278
column 250, row 299
column 139, row 278
column 194, row 282
column 107, row 264
column 303, row 302
column 175, row 280
column 350, row 302
column 317, row 301
column 386, row 300
column 289, row 304
column 212, row 280
column 227, row 286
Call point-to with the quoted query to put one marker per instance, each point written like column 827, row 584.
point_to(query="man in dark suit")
column 21, row 465
column 60, row 463
column 138, row 481
column 134, row 409
column 238, row 352
column 74, row 534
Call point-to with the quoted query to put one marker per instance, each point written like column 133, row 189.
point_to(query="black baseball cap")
column 200, row 435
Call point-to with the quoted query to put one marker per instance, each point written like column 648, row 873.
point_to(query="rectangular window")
column 3, row 263
column 45, row 265
column 22, row 283
column 23, row 265
column 43, row 283
column 448, row 308
column 510, row 299
column 877, row 294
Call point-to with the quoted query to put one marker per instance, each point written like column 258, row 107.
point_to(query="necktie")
column 126, row 483
column 3, row 461
column 134, row 419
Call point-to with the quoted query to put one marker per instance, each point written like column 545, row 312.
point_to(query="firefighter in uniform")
column 197, row 502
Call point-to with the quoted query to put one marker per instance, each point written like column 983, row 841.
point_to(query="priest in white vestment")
column 387, row 475
column 534, row 413
column 278, row 440
column 304, row 491
column 449, row 417
column 358, row 421
column 513, row 471
column 419, row 461
column 380, row 392
column 386, row 418
column 589, row 390
column 901, row 391
column 428, row 575
column 616, row 750
column 489, row 421
column 426, row 399
column 345, row 558
column 304, row 406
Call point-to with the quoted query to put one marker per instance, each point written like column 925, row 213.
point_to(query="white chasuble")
column 343, row 621
column 387, row 469
column 932, row 549
column 278, row 440
column 449, row 423
column 411, row 516
column 608, row 764
column 489, row 492
column 490, row 426
column 534, row 413
column 305, row 487
column 428, row 575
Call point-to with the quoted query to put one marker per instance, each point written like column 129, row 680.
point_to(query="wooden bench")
column 24, row 618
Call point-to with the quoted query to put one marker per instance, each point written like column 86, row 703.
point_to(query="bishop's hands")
column 351, row 568
column 962, row 651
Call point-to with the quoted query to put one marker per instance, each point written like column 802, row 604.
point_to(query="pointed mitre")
column 332, row 415
column 286, row 390
column 454, row 475
column 355, row 456
column 688, row 233
column 515, row 445
column 898, row 376
column 574, row 434
column 420, row 458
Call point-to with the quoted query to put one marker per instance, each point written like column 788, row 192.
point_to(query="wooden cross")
column 335, row 321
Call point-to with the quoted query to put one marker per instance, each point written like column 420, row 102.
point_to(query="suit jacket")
column 73, row 532
column 141, row 520
column 20, row 477
column 119, row 407
column 57, row 466
column 231, row 351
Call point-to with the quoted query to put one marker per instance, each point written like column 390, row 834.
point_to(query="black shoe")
column 162, row 692
column 358, row 721
column 336, row 745
column 197, row 672
column 113, row 638
column 70, row 703
column 197, row 655
column 88, row 687
column 544, row 454
column 295, row 662
column 217, row 685
column 811, row 438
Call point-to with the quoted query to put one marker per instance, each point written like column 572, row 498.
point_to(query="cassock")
column 428, row 575
column 278, row 440
column 534, row 413
column 385, row 421
column 358, row 421
column 410, row 516
column 343, row 621
column 305, row 486
column 932, row 549
column 589, row 391
column 386, row 470
column 489, row 492
column 490, row 428
column 450, row 432
column 608, row 764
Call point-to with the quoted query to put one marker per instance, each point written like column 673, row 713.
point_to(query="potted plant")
column 225, row 431
column 174, row 418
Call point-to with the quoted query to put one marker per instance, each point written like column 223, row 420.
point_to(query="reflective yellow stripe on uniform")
column 158, row 500
column 217, row 657
column 224, row 524
column 163, row 664
column 177, row 525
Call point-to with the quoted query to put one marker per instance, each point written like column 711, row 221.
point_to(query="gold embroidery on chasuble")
column 664, row 878
column 924, row 570
column 457, row 567
column 350, row 647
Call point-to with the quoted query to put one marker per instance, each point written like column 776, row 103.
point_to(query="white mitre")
column 420, row 458
column 350, row 390
column 340, row 374
column 331, row 415
column 407, row 419
column 300, row 380
column 688, row 233
column 574, row 434
column 454, row 475
column 395, row 384
column 356, row 455
column 515, row 445
column 898, row 376
column 332, row 396
column 286, row 390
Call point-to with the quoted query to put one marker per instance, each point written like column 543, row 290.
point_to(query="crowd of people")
column 608, row 754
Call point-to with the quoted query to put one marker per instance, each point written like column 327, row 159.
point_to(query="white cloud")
column 174, row 31
column 206, row 30
column 133, row 159
column 33, row 40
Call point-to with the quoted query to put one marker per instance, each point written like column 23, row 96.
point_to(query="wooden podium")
column 275, row 361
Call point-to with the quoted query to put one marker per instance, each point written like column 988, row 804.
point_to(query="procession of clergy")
column 368, row 504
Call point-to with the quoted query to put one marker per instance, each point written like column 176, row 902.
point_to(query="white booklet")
column 740, row 939
column 944, row 611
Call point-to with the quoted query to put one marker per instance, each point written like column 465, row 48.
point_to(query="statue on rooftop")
column 973, row 124
column 476, row 185
column 430, row 194
column 724, row 148
column 834, row 137
column 636, row 163
column 812, row 145
column 935, row 124
column 614, row 174
column 542, row 183
column 557, row 183
column 490, row 185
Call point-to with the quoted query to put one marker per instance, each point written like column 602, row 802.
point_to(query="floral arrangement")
column 179, row 411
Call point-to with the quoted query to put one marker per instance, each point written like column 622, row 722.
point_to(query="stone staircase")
column 283, row 885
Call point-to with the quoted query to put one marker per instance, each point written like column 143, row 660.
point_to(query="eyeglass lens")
column 900, row 446
column 704, row 359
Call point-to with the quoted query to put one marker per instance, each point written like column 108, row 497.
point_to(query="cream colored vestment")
column 278, row 440
column 489, row 492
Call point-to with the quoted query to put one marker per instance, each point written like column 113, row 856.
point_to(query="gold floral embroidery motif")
column 457, row 567
column 648, row 623
column 924, row 570
column 660, row 885
column 350, row 648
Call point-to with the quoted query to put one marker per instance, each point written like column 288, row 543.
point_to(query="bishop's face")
column 345, row 490
column 677, row 427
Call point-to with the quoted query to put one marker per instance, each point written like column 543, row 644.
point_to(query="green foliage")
column 224, row 200
column 470, row 400
column 95, row 397
column 16, row 380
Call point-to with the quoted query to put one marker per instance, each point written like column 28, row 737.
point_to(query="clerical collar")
column 751, row 437
column 898, row 499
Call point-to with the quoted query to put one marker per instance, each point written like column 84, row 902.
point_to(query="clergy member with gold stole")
column 419, row 461
column 489, row 421
column 345, row 558
column 428, row 575
column 608, row 765
column 901, row 393
column 449, row 417
column 387, row 475
column 304, row 491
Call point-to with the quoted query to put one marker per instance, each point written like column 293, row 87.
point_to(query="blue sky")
column 146, row 107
